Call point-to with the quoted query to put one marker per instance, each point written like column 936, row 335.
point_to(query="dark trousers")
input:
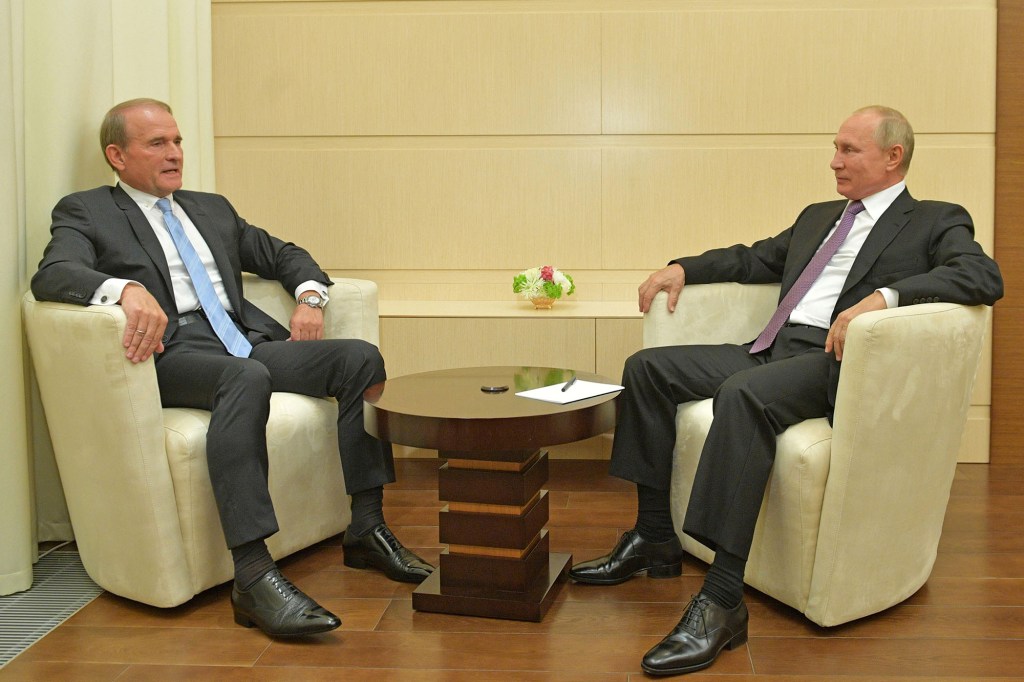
column 755, row 398
column 195, row 371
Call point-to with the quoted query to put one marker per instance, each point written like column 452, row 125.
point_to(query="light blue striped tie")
column 225, row 329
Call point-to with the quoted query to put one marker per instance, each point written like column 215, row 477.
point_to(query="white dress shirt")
column 816, row 307
column 185, row 296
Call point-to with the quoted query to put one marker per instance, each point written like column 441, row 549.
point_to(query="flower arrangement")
column 543, row 285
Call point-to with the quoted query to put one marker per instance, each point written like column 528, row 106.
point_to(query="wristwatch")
column 313, row 301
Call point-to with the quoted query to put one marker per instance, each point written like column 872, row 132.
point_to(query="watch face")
column 312, row 300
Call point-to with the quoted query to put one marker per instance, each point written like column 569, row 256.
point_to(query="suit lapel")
column 805, row 248
column 881, row 235
column 212, row 238
column 144, row 233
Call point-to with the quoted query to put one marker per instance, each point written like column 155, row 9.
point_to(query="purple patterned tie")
column 806, row 278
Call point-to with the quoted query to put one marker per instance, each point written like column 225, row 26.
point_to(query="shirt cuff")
column 109, row 293
column 312, row 285
column 891, row 296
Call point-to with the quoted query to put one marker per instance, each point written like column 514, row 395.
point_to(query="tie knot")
column 854, row 208
column 165, row 205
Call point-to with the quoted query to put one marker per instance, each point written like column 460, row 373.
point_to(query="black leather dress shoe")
column 280, row 609
column 630, row 556
column 705, row 629
column 380, row 549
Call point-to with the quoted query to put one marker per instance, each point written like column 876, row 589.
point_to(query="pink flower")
column 547, row 273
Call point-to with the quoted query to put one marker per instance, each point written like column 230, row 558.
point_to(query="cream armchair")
column 134, row 473
column 852, row 513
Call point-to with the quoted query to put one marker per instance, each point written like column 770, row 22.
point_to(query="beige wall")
column 439, row 147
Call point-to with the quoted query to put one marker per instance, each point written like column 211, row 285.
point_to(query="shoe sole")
column 356, row 562
column 657, row 572
column 246, row 622
column 736, row 641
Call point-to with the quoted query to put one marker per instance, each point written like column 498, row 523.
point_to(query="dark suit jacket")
column 925, row 250
column 102, row 233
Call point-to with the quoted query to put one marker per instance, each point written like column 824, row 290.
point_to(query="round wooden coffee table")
column 498, row 562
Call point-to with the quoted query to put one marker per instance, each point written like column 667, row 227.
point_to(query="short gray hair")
column 893, row 129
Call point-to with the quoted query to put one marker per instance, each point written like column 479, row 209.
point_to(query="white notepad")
column 580, row 390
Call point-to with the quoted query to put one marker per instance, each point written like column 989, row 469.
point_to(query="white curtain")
column 16, row 546
column 70, row 61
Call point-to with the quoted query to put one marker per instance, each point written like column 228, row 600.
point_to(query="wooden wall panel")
column 616, row 341
column 423, row 208
column 444, row 343
column 435, row 286
column 976, row 441
column 687, row 198
column 754, row 70
column 581, row 208
column 1008, row 316
column 325, row 70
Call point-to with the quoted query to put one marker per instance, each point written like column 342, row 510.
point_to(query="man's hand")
column 144, row 331
column 836, row 339
column 670, row 279
column 307, row 323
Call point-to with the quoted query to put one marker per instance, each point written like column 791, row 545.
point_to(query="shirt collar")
column 144, row 200
column 879, row 202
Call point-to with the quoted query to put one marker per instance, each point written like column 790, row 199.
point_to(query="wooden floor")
column 966, row 623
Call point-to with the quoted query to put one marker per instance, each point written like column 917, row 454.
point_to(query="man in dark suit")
column 173, row 260
column 878, row 248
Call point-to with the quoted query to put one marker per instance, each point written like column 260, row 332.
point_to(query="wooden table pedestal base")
column 498, row 563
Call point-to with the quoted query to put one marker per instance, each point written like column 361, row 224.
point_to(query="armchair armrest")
column 351, row 314
column 902, row 401
column 711, row 313
column 118, row 454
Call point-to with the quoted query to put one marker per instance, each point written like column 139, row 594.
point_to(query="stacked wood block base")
column 498, row 563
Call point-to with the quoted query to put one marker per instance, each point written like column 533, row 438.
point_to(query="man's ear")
column 894, row 157
column 115, row 156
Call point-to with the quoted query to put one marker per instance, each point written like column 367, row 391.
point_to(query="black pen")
column 569, row 383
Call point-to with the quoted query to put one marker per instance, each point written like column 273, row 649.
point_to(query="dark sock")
column 252, row 561
column 653, row 514
column 724, row 582
column 367, row 511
